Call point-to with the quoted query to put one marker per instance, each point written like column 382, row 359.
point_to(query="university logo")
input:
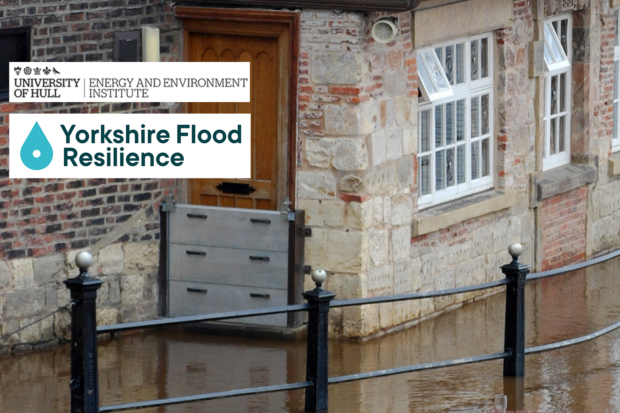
column 36, row 152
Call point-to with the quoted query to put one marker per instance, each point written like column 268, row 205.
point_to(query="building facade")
column 417, row 161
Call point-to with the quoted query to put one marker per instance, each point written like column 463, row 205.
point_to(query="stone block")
column 482, row 241
column 30, row 334
column 444, row 281
column 500, row 236
column 347, row 286
column 381, row 179
column 405, row 174
column 25, row 303
column 132, row 289
column 401, row 105
column 370, row 118
column 402, row 210
column 379, row 248
column 336, row 250
column 386, row 312
column 342, row 120
column 111, row 259
column 360, row 215
column 387, row 209
column 380, row 281
column 404, row 277
column 394, row 144
column 410, row 142
column 379, row 147
column 351, row 183
column 316, row 185
column 319, row 151
column 46, row 268
column 5, row 275
column 605, row 234
column 23, row 273
column 62, row 324
column 337, row 68
column 51, row 297
column 107, row 316
column 377, row 210
column 459, row 253
column 564, row 179
column 401, row 242
column 349, row 154
column 360, row 321
column 137, row 256
column 323, row 213
column 609, row 199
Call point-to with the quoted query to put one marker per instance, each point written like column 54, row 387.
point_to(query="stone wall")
column 33, row 287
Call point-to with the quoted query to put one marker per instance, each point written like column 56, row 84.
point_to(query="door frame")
column 281, row 25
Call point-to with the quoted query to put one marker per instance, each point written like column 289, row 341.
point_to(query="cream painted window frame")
column 615, row 139
column 466, row 91
column 559, row 158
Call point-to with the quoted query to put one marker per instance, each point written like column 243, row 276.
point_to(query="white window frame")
column 464, row 91
column 556, row 71
column 615, row 139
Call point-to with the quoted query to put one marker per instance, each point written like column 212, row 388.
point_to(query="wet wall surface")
column 171, row 363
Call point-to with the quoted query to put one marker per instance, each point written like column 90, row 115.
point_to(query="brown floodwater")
column 170, row 363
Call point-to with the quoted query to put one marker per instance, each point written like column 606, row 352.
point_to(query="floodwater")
column 171, row 363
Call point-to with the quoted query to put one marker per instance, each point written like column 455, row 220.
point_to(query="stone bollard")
column 84, row 371
column 514, row 327
column 317, row 352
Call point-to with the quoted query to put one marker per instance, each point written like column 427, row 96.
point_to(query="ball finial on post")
column 515, row 250
column 83, row 260
column 319, row 276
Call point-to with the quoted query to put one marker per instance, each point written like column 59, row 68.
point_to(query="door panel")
column 263, row 55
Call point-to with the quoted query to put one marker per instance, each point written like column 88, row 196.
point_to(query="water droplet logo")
column 36, row 152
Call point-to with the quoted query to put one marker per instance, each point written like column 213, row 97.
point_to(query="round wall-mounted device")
column 384, row 30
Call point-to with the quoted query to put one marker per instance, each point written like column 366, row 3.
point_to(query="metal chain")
column 71, row 304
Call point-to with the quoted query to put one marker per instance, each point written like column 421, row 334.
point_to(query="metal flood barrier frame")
column 84, row 374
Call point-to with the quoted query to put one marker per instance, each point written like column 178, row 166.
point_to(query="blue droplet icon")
column 36, row 153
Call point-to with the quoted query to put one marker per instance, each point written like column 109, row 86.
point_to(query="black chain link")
column 7, row 335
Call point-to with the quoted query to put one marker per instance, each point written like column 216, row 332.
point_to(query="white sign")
column 130, row 146
column 129, row 82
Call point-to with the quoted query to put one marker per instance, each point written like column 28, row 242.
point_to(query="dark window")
column 127, row 46
column 14, row 47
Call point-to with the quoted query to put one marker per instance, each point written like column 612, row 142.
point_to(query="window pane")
column 460, row 64
column 563, row 98
column 615, row 133
column 450, row 168
column 548, row 55
column 425, row 175
column 555, row 50
column 484, row 54
column 485, row 158
column 562, row 137
column 450, row 123
column 460, row 120
column 552, row 147
column 554, row 95
column 449, row 65
column 426, row 78
column 474, row 60
column 435, row 71
column 425, row 131
column 563, row 35
column 616, row 80
column 438, row 126
column 439, row 54
column 485, row 114
column 460, row 164
column 439, row 170
column 475, row 157
column 475, row 118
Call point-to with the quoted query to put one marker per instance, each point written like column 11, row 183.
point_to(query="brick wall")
column 564, row 229
column 43, row 223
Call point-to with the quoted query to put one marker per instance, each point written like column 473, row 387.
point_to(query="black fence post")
column 84, row 378
column 316, row 366
column 514, row 327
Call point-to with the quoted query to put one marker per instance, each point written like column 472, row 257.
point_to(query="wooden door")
column 262, row 53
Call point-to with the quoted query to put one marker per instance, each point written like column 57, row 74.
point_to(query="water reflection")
column 172, row 363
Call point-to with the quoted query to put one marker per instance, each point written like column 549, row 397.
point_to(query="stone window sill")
column 564, row 179
column 614, row 164
column 460, row 210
